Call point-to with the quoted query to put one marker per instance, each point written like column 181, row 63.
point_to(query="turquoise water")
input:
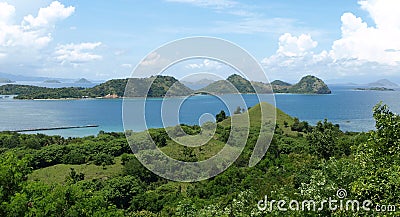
column 352, row 110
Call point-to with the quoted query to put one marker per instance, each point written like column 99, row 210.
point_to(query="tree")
column 221, row 116
column 323, row 139
column 13, row 174
column 74, row 177
column 379, row 160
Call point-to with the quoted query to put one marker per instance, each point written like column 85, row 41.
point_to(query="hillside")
column 160, row 86
column 280, row 83
column 240, row 85
column 307, row 85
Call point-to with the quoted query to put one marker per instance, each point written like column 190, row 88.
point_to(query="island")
column 307, row 85
column 52, row 81
column 164, row 86
column 375, row 89
column 5, row 81
column 160, row 86
column 83, row 81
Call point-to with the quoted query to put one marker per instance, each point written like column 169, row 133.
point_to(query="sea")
column 351, row 109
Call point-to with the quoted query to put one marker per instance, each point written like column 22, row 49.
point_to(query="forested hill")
column 307, row 85
column 111, row 89
column 99, row 176
column 164, row 86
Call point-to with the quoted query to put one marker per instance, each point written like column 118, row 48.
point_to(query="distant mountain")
column 195, row 85
column 82, row 81
column 52, row 81
column 26, row 78
column 375, row 89
column 307, row 85
column 383, row 83
column 5, row 81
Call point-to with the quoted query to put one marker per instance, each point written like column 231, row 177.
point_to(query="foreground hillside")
column 98, row 176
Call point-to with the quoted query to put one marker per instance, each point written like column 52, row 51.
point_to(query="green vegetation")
column 98, row 176
column 308, row 85
column 280, row 83
column 161, row 86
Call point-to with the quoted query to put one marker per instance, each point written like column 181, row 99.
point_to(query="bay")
column 349, row 108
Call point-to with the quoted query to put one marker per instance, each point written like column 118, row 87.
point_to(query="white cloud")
column 6, row 12
column 77, row 53
column 126, row 65
column 48, row 16
column 295, row 46
column 205, row 65
column 151, row 59
column 33, row 32
column 361, row 50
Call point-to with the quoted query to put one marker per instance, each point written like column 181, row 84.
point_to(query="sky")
column 339, row 41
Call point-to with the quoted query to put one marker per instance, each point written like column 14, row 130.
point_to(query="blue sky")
column 339, row 41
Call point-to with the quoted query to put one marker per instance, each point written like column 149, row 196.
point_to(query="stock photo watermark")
column 337, row 203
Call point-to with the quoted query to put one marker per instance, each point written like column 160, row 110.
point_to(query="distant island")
column 375, row 89
column 52, row 81
column 83, row 81
column 163, row 86
column 5, row 81
column 383, row 83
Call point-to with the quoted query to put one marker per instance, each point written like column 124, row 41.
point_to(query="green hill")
column 280, row 83
column 309, row 85
column 160, row 86
column 225, row 86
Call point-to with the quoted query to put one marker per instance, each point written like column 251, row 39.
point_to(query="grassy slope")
column 57, row 173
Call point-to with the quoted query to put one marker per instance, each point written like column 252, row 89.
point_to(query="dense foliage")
column 308, row 162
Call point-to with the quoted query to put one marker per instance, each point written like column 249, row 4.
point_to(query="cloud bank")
column 361, row 50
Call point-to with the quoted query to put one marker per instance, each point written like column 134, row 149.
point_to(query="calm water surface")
column 352, row 110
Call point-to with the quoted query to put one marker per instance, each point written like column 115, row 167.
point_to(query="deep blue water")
column 352, row 110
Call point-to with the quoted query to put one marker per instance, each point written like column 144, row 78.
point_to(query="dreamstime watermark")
column 134, row 113
column 338, row 203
